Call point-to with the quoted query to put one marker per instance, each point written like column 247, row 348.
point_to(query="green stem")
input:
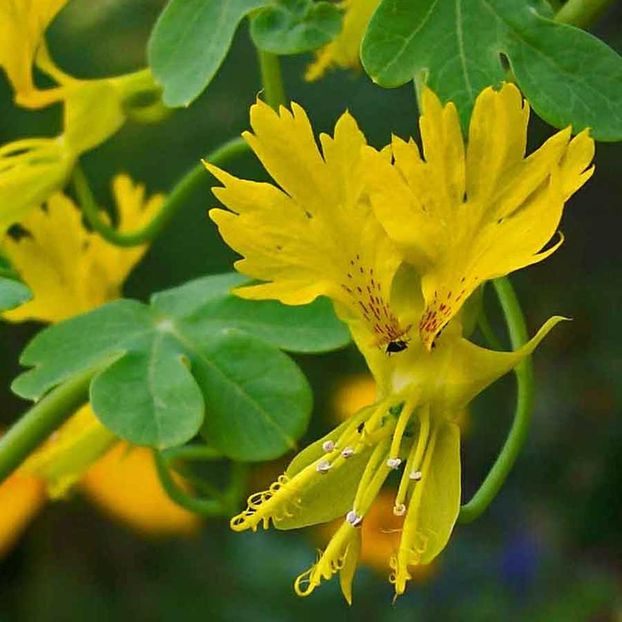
column 174, row 201
column 271, row 79
column 41, row 420
column 581, row 13
column 524, row 405
column 483, row 323
column 222, row 504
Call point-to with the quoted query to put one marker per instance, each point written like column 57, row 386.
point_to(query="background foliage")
column 550, row 546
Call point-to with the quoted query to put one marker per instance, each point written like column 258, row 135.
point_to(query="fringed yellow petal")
column 285, row 144
column 317, row 235
column 54, row 260
column 463, row 220
column 124, row 484
column 341, row 555
column 443, row 150
column 69, row 269
column 343, row 51
column 498, row 126
column 433, row 507
column 66, row 456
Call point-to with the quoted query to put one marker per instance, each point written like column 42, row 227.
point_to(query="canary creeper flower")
column 70, row 269
column 316, row 234
column 32, row 169
column 463, row 214
column 344, row 50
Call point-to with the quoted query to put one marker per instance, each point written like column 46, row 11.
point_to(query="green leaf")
column 153, row 385
column 13, row 294
column 568, row 76
column 309, row 329
column 295, row 26
column 193, row 349
column 258, row 402
column 189, row 43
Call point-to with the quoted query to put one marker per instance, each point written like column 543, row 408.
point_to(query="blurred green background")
column 549, row 548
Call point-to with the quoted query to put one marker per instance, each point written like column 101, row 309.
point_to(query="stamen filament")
column 415, row 456
column 400, row 428
column 376, row 458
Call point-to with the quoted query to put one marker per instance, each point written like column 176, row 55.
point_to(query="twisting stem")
column 41, row 420
column 581, row 13
column 522, row 416
column 222, row 504
column 180, row 194
column 271, row 79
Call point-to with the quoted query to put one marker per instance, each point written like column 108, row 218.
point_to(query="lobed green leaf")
column 457, row 48
column 189, row 43
column 295, row 26
column 193, row 350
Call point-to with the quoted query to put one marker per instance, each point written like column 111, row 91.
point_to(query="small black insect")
column 393, row 347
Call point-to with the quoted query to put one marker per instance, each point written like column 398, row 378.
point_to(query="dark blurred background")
column 549, row 548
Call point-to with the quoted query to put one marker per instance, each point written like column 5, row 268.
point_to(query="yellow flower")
column 30, row 171
column 317, row 234
column 69, row 269
column 22, row 24
column 343, row 51
column 125, row 485
column 93, row 110
column 465, row 214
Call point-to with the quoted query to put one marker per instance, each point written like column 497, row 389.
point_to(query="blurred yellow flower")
column 71, row 270
column 21, row 498
column 316, row 234
column 22, row 25
column 30, row 171
column 93, row 110
column 343, row 51
column 353, row 393
column 124, row 484
column 464, row 214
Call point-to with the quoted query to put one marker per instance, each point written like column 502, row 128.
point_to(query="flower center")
column 367, row 297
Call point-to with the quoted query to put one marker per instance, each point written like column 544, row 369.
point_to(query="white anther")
column 415, row 475
column 347, row 452
column 328, row 446
column 394, row 463
column 353, row 518
column 399, row 509
column 323, row 466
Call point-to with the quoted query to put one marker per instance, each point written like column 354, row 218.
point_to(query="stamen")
column 328, row 446
column 411, row 472
column 394, row 463
column 399, row 510
column 323, row 466
column 353, row 518
column 400, row 428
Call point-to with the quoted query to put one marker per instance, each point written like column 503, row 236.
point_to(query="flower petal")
column 433, row 507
